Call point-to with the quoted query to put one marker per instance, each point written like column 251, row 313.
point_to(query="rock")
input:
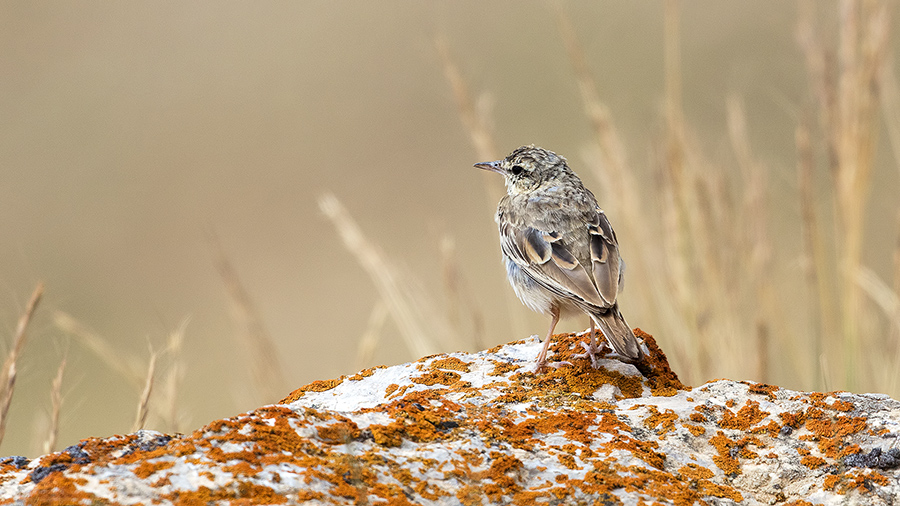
column 480, row 428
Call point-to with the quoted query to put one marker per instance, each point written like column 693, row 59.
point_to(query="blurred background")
column 234, row 199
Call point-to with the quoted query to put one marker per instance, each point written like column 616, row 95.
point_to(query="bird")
column 560, row 250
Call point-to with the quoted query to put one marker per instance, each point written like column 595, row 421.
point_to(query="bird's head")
column 527, row 168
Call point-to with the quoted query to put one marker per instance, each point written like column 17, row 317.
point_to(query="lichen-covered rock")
column 482, row 429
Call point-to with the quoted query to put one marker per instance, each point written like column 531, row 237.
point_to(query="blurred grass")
column 698, row 245
column 707, row 274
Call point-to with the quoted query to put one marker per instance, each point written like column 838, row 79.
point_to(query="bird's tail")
column 618, row 333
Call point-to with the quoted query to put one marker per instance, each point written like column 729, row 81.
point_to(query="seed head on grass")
column 8, row 375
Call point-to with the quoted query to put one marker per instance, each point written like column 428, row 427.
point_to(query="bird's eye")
column 516, row 170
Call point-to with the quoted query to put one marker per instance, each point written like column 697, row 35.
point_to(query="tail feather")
column 618, row 333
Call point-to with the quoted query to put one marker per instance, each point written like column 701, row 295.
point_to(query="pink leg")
column 592, row 350
column 542, row 356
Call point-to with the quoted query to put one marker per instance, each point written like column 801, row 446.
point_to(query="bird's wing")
column 606, row 265
column 543, row 254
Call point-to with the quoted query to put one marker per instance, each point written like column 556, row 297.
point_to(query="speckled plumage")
column 560, row 251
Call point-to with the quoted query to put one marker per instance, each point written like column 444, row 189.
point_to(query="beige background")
column 129, row 131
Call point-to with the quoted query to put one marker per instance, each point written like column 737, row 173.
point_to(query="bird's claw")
column 554, row 365
column 592, row 352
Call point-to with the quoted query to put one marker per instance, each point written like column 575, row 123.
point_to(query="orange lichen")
column 722, row 491
column 567, row 460
column 450, row 363
column 605, row 478
column 661, row 422
column 655, row 366
column 880, row 431
column 148, row 467
column 387, row 435
column 58, row 488
column 339, row 433
column 728, row 464
column 584, row 380
column 437, row 377
column 763, row 389
column 398, row 392
column 849, row 450
column 315, row 386
column 831, row 481
column 502, row 368
column 503, row 476
column 322, row 385
column 746, row 417
column 863, row 481
column 793, row 420
column 365, row 373
column 771, row 429
column 829, row 432
column 413, row 421
column 240, row 493
column 695, row 472
column 840, row 405
column 813, row 462
column 728, row 451
column 696, row 430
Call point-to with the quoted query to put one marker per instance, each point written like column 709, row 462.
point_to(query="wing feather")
column 605, row 262
column 537, row 249
column 544, row 256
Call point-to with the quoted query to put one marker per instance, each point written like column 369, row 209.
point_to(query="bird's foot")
column 553, row 365
column 591, row 351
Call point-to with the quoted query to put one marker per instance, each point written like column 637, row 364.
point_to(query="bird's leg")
column 591, row 350
column 542, row 356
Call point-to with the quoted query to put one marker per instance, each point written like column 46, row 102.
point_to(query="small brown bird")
column 560, row 251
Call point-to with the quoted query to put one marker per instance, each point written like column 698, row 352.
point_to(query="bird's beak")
column 491, row 166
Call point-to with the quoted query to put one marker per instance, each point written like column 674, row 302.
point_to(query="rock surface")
column 482, row 429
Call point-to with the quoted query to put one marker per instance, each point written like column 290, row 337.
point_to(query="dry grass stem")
column 463, row 311
column 267, row 372
column 56, row 399
column 143, row 408
column 625, row 205
column 8, row 376
column 848, row 101
column 861, row 52
column 757, row 243
column 762, row 355
column 174, row 376
column 890, row 99
column 880, row 293
column 711, row 276
column 369, row 340
column 476, row 118
column 888, row 301
column 621, row 192
column 679, row 198
column 816, row 267
column 825, row 373
column 897, row 256
column 420, row 325
column 127, row 367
